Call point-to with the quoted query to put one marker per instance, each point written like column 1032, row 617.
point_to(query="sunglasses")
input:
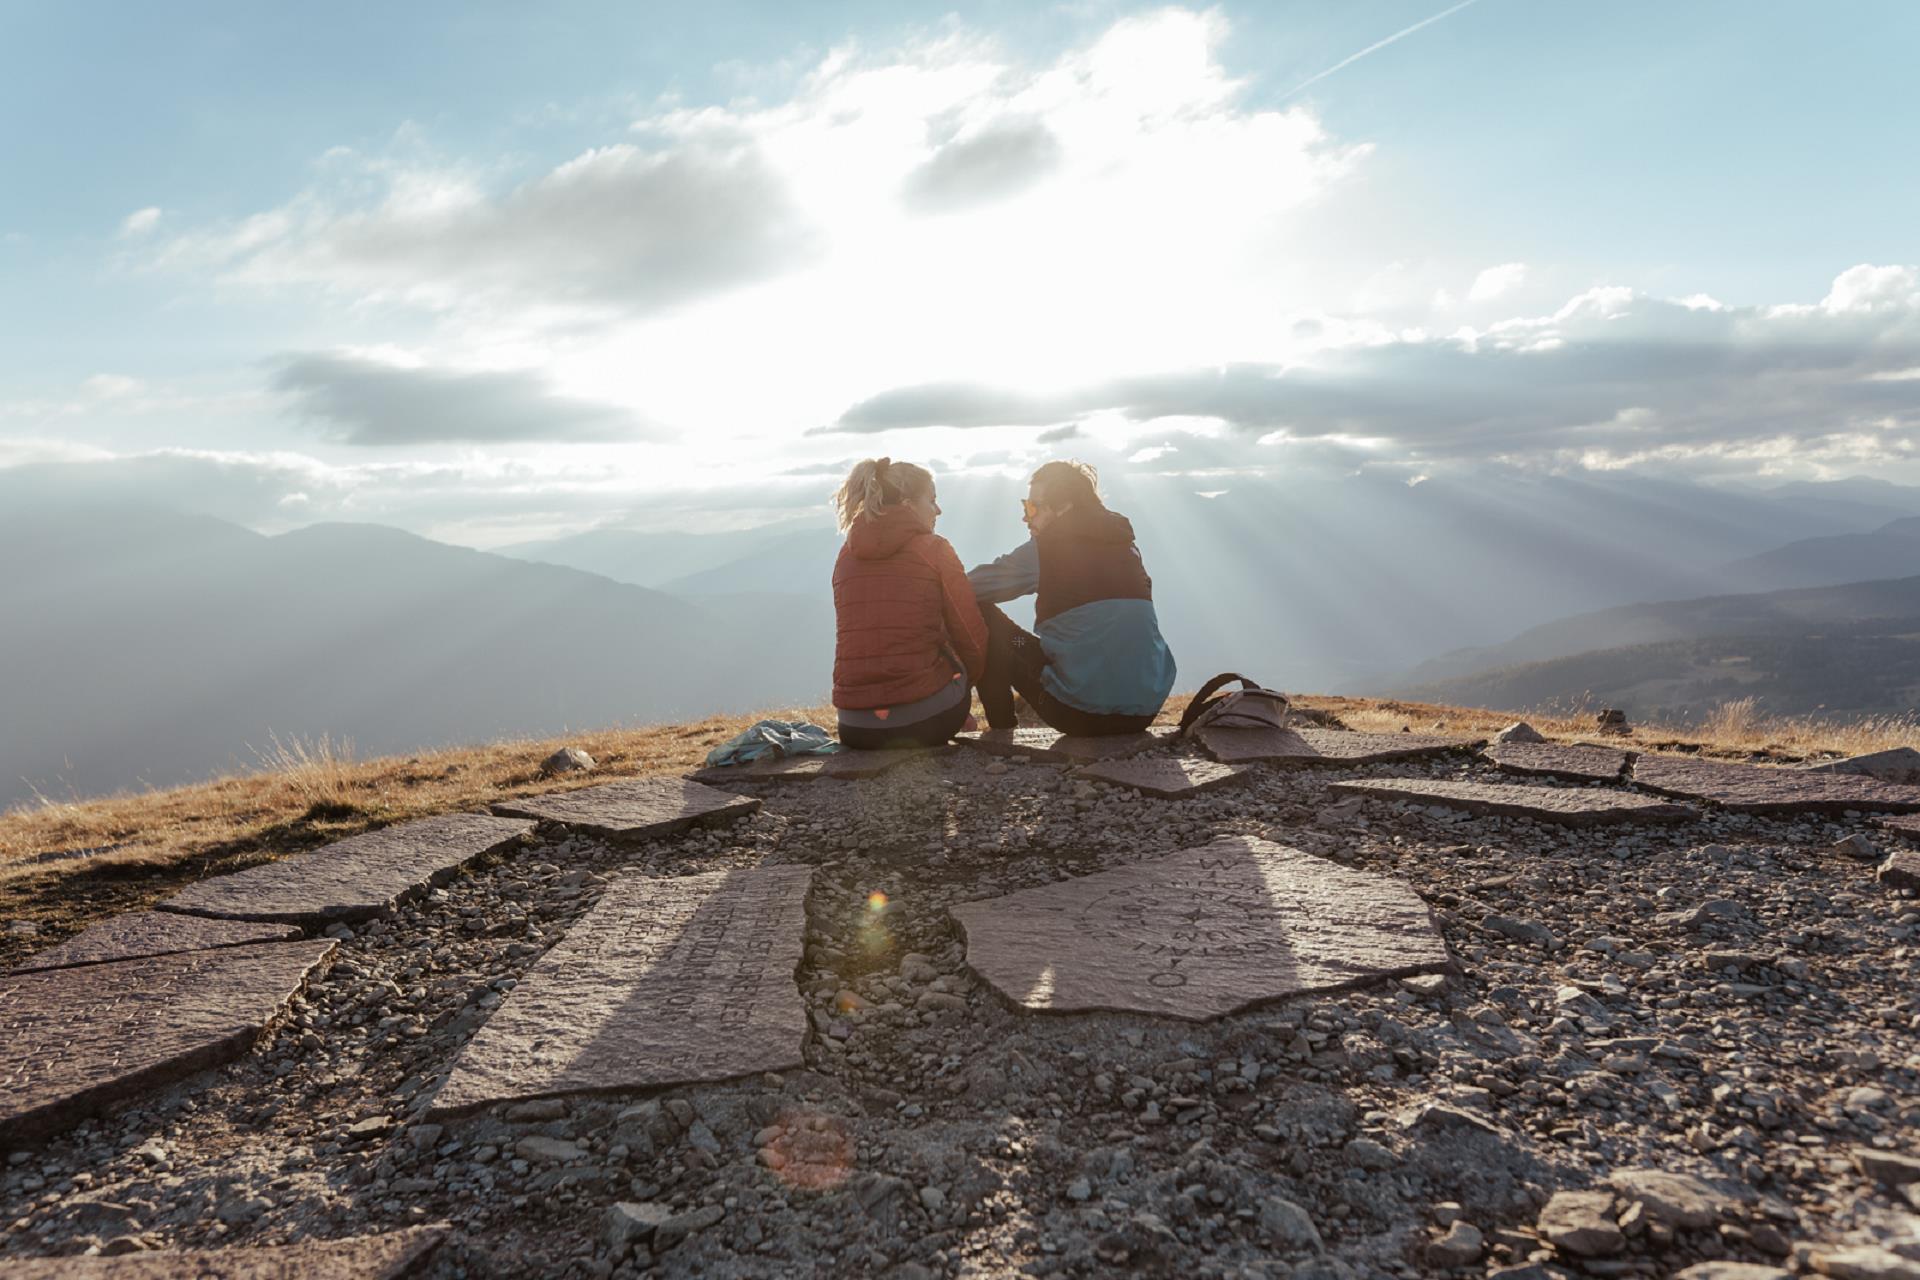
column 1029, row 509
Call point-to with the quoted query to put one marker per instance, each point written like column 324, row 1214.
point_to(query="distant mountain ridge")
column 1852, row 648
column 152, row 648
column 1891, row 551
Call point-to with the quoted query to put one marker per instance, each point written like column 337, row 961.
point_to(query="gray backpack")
column 1249, row 707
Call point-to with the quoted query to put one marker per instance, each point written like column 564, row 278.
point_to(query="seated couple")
column 915, row 634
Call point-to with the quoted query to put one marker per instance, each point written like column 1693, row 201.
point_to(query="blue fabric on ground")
column 774, row 738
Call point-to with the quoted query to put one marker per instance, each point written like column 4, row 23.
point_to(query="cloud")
column 366, row 402
column 1069, row 432
column 1001, row 160
column 1611, row 378
column 638, row 229
column 1495, row 281
column 140, row 222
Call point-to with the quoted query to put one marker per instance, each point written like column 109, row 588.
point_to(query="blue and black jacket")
column 1093, row 612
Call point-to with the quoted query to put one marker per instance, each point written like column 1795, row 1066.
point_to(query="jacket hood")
column 883, row 533
column 1096, row 524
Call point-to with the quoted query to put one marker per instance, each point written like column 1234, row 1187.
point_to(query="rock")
column 1748, row 788
column 628, row 1223
column 355, row 879
column 1676, row 1199
column 1858, row 847
column 73, row 1041
column 667, row 980
column 1079, row 1189
column 1889, row 1168
column 1899, row 764
column 537, row 1110
column 1563, row 806
column 1900, row 871
column 1119, row 939
column 1461, row 1246
column 1367, row 1154
column 933, row 1199
column 1519, row 731
column 681, row 1225
column 566, row 760
column 1577, row 763
column 1581, row 1223
column 390, row 1254
column 1722, row 1270
column 1613, row 721
column 1329, row 746
column 1287, row 1224
column 1168, row 776
column 1530, row 932
column 153, row 933
column 633, row 809
column 540, row 1149
column 1861, row 1262
column 372, row 1127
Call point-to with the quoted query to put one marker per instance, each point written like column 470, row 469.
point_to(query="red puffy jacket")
column 901, row 603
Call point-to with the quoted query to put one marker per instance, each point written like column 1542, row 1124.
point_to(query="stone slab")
column 847, row 766
column 153, row 933
column 1906, row 826
column 1307, row 746
column 666, row 981
column 1577, row 762
column 358, row 878
column 1749, row 788
column 1048, row 744
column 634, row 808
column 1167, row 776
column 387, row 1256
column 1899, row 764
column 73, row 1041
column 1200, row 933
column 1564, row 806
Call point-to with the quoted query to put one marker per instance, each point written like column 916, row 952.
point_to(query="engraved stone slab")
column 153, row 933
column 666, row 981
column 357, row 878
column 1169, row 776
column 1579, row 762
column 849, row 766
column 388, row 1256
column 1746, row 788
column 1199, row 933
column 1324, row 746
column 74, row 1040
column 1048, row 744
column 633, row 809
column 1568, row 807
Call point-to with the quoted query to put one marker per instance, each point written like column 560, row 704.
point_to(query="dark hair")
column 1068, row 484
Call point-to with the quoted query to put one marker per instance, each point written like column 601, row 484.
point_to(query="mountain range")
column 143, row 646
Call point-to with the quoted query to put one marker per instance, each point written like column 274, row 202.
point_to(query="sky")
column 496, row 272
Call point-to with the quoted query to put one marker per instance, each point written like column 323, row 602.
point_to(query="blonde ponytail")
column 875, row 483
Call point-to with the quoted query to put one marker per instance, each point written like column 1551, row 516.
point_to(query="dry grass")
column 62, row 865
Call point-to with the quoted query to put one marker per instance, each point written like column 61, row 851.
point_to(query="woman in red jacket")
column 909, row 640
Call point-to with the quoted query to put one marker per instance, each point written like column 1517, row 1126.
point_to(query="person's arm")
column 966, row 629
column 1013, row 574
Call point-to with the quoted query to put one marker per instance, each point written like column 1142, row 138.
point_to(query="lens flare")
column 876, row 902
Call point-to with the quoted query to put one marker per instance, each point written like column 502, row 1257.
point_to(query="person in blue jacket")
column 1098, row 664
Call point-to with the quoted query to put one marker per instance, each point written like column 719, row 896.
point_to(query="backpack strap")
column 1205, row 698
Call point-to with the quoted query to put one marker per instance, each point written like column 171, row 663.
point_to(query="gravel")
column 1685, row 1047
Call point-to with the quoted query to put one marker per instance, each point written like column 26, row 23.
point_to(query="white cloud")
column 1494, row 281
column 140, row 222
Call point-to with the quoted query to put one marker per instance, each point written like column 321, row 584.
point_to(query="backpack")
column 1249, row 707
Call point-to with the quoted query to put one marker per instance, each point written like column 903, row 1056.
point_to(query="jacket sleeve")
column 966, row 629
column 1014, row 574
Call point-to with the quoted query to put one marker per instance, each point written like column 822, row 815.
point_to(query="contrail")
column 1376, row 47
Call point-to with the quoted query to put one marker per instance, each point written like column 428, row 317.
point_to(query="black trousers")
column 933, row 731
column 1015, row 661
